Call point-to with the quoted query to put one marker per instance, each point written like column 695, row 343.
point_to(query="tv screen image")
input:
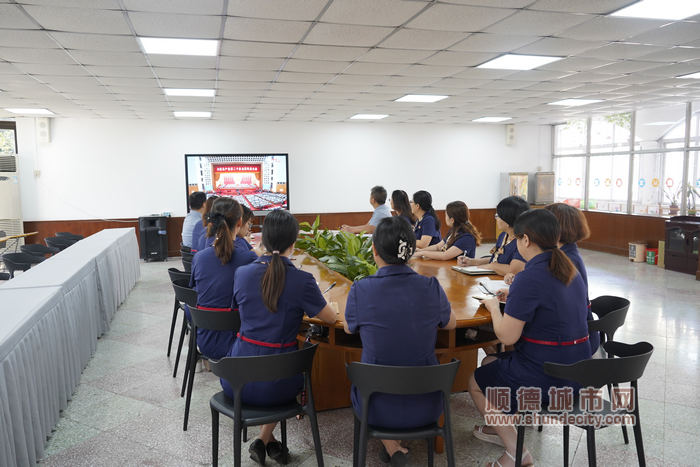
column 258, row 181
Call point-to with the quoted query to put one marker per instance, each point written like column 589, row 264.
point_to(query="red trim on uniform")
column 266, row 344
column 214, row 309
column 193, row 251
column 574, row 342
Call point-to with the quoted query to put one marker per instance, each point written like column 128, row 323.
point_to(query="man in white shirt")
column 196, row 200
column 377, row 198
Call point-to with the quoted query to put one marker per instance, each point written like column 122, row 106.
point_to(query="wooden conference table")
column 330, row 382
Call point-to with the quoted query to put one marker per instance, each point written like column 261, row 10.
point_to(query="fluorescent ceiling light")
column 491, row 119
column 155, row 45
column 661, row 9
column 659, row 123
column 368, row 117
column 192, row 114
column 575, row 102
column 518, row 62
column 31, row 111
column 420, row 98
column 190, row 92
column 692, row 75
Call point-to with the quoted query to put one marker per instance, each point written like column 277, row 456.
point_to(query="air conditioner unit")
column 10, row 201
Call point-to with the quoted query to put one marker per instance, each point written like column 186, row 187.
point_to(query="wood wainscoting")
column 612, row 232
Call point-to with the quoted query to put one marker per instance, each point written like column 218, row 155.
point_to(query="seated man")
column 377, row 198
column 196, row 200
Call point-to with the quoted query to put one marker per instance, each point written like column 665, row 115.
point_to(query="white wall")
column 129, row 168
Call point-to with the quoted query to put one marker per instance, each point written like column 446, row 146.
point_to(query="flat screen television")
column 259, row 181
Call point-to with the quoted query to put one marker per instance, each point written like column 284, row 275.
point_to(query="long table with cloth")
column 51, row 318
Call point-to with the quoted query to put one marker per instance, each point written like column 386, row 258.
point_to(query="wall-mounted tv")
column 258, row 181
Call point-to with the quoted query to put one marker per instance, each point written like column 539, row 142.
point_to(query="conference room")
column 311, row 80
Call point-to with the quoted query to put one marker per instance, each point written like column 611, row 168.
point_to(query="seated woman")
column 427, row 229
column 213, row 270
column 574, row 228
column 272, row 295
column 505, row 258
column 199, row 234
column 462, row 239
column 545, row 317
column 397, row 313
column 244, row 231
column 401, row 206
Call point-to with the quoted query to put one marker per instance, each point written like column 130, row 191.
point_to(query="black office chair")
column 186, row 255
column 20, row 262
column 59, row 242
column 598, row 372
column 188, row 296
column 213, row 321
column 402, row 380
column 70, row 236
column 185, row 248
column 175, row 274
column 239, row 371
column 38, row 249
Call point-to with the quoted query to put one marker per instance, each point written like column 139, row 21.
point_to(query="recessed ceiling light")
column 190, row 92
column 192, row 114
column 155, row 45
column 31, row 111
column 658, row 123
column 420, row 98
column 575, row 102
column 518, row 62
column 692, row 75
column 368, row 117
column 660, row 9
column 491, row 119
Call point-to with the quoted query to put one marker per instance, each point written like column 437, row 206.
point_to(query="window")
column 570, row 138
column 8, row 137
column 611, row 133
column 570, row 174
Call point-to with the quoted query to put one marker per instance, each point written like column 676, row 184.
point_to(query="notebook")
column 473, row 270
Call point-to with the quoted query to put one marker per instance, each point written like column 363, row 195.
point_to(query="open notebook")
column 473, row 270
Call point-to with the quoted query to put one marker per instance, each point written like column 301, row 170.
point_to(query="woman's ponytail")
column 273, row 282
column 223, row 219
column 425, row 200
column 561, row 266
column 279, row 233
column 459, row 211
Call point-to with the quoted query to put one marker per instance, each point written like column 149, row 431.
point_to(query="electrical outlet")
column 37, row 173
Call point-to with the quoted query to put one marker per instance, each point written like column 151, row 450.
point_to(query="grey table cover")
column 51, row 317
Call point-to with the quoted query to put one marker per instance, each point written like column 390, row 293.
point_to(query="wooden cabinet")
column 682, row 241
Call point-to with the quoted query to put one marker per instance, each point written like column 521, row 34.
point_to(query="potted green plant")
column 692, row 193
column 673, row 198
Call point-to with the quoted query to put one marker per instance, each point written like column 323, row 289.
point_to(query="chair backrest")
column 69, row 235
column 176, row 274
column 23, row 258
column 187, row 266
column 186, row 255
column 611, row 311
column 3, row 234
column 184, row 293
column 185, row 248
column 216, row 320
column 59, row 242
column 239, row 371
column 402, row 379
column 598, row 372
column 38, row 249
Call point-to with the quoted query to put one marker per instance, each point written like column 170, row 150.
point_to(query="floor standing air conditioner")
column 10, row 202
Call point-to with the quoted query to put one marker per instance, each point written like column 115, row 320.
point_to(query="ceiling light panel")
column 190, row 114
column 30, row 111
column 166, row 46
column 368, row 117
column 421, row 98
column 661, row 9
column 518, row 62
column 575, row 102
column 190, row 92
column 491, row 119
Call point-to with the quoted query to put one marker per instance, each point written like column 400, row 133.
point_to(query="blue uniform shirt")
column 408, row 219
column 426, row 226
column 197, row 232
column 465, row 242
column 571, row 251
column 509, row 252
column 243, row 243
column 213, row 282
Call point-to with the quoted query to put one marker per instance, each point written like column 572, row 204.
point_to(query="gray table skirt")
column 51, row 318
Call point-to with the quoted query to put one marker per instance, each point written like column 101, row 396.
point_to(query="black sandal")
column 274, row 451
column 257, row 451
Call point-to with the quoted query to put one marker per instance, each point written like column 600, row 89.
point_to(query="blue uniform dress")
column 408, row 219
column 300, row 294
column 397, row 313
column 243, row 243
column 213, row 282
column 197, row 232
column 509, row 252
column 465, row 242
column 571, row 250
column 552, row 312
column 426, row 226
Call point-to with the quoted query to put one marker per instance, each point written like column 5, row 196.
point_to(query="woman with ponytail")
column 462, row 239
column 427, row 229
column 213, row 270
column 401, row 206
column 398, row 313
column 272, row 295
column 199, row 233
column 544, row 318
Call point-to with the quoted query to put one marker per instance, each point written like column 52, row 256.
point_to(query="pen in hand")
column 329, row 287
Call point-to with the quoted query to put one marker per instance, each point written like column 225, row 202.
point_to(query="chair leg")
column 283, row 431
column 317, row 436
column 566, row 446
column 520, row 446
column 637, row 428
column 245, row 434
column 172, row 326
column 539, row 428
column 187, row 364
column 430, row 451
column 237, row 443
column 355, row 440
column 590, row 438
column 624, row 428
column 214, row 437
column 192, row 364
column 183, row 331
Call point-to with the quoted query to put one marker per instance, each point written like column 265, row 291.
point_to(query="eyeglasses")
column 412, row 202
column 250, row 224
column 496, row 216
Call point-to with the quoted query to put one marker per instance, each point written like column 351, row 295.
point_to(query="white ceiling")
column 327, row 60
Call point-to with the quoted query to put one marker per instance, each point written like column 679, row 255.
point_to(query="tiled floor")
column 127, row 410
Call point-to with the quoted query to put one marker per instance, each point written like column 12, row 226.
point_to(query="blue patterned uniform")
column 427, row 226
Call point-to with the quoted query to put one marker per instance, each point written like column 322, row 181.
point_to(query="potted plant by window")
column 673, row 198
column 692, row 193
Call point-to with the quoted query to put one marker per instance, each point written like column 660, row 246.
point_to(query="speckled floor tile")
column 66, row 434
column 157, row 391
column 123, row 380
column 111, row 412
column 681, row 447
column 681, row 394
column 683, row 375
